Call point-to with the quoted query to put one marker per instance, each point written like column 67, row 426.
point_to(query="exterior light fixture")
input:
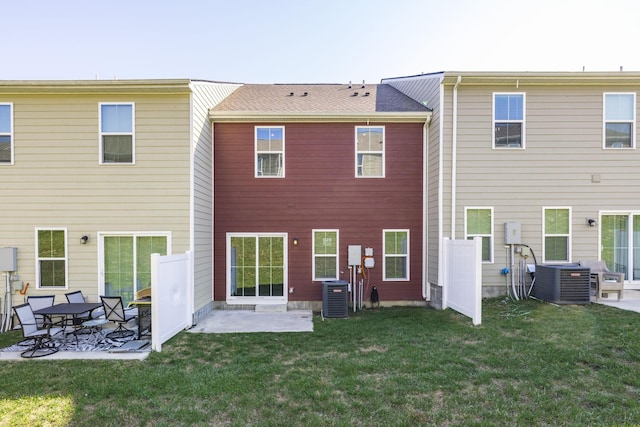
column 295, row 241
column 592, row 222
column 84, row 239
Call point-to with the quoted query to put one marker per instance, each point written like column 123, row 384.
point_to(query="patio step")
column 271, row 308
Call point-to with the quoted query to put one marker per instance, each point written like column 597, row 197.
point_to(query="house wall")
column 427, row 89
column 57, row 180
column 205, row 96
column 564, row 139
column 320, row 192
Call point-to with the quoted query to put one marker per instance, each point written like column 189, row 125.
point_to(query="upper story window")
column 557, row 234
column 117, row 139
column 51, row 259
column 270, row 152
column 619, row 120
column 395, row 254
column 508, row 120
column 6, row 134
column 370, row 151
column 325, row 254
column 479, row 223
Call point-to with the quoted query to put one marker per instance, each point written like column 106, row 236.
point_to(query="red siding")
column 320, row 192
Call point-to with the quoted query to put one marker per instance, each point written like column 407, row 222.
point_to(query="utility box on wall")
column 512, row 231
column 8, row 259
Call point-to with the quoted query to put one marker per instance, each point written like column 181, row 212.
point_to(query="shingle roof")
column 318, row 98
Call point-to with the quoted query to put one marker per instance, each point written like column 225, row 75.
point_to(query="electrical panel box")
column 8, row 259
column 355, row 254
column 512, row 233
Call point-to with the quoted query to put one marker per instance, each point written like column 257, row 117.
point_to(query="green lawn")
column 528, row 364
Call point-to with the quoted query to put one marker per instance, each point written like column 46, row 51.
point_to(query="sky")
column 311, row 41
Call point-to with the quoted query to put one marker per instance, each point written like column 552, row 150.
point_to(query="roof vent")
column 367, row 93
column 290, row 93
column 305, row 94
column 355, row 94
column 349, row 84
column 363, row 84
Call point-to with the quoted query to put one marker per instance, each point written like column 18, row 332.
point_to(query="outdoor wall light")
column 591, row 222
column 84, row 239
column 295, row 241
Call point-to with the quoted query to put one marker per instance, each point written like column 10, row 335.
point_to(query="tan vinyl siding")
column 563, row 151
column 205, row 96
column 57, row 180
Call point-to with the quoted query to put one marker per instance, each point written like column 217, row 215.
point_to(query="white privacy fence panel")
column 462, row 285
column 172, row 293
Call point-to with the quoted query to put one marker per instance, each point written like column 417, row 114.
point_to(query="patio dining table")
column 71, row 311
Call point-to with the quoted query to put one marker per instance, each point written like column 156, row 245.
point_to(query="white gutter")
column 426, row 289
column 440, row 183
column 454, row 158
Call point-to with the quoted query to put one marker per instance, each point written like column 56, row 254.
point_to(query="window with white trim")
column 619, row 120
column 117, row 139
column 51, row 258
column 508, row 120
column 256, row 266
column 556, row 226
column 370, row 151
column 6, row 134
column 325, row 254
column 269, row 152
column 396, row 255
column 479, row 223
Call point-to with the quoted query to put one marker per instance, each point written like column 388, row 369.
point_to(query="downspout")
column 454, row 155
column 426, row 290
column 440, row 184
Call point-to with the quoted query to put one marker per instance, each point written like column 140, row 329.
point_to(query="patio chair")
column 40, row 301
column 114, row 311
column 77, row 297
column 603, row 280
column 43, row 346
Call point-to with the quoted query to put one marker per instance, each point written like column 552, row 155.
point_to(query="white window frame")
column 385, row 255
column 134, row 234
column 256, row 168
column 65, row 259
column 315, row 255
column 382, row 152
column 233, row 300
column 544, row 235
column 468, row 235
column 10, row 134
column 605, row 121
column 522, row 122
column 132, row 133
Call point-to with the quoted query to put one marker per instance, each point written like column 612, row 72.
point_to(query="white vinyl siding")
column 117, row 136
column 6, row 134
column 479, row 223
column 556, row 226
column 619, row 130
column 509, row 120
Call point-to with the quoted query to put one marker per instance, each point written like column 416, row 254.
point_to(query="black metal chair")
column 77, row 297
column 43, row 345
column 114, row 311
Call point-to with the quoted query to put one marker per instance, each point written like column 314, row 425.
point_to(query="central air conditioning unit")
column 563, row 284
column 335, row 298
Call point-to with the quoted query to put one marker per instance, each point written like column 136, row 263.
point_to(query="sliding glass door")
column 620, row 243
column 126, row 262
